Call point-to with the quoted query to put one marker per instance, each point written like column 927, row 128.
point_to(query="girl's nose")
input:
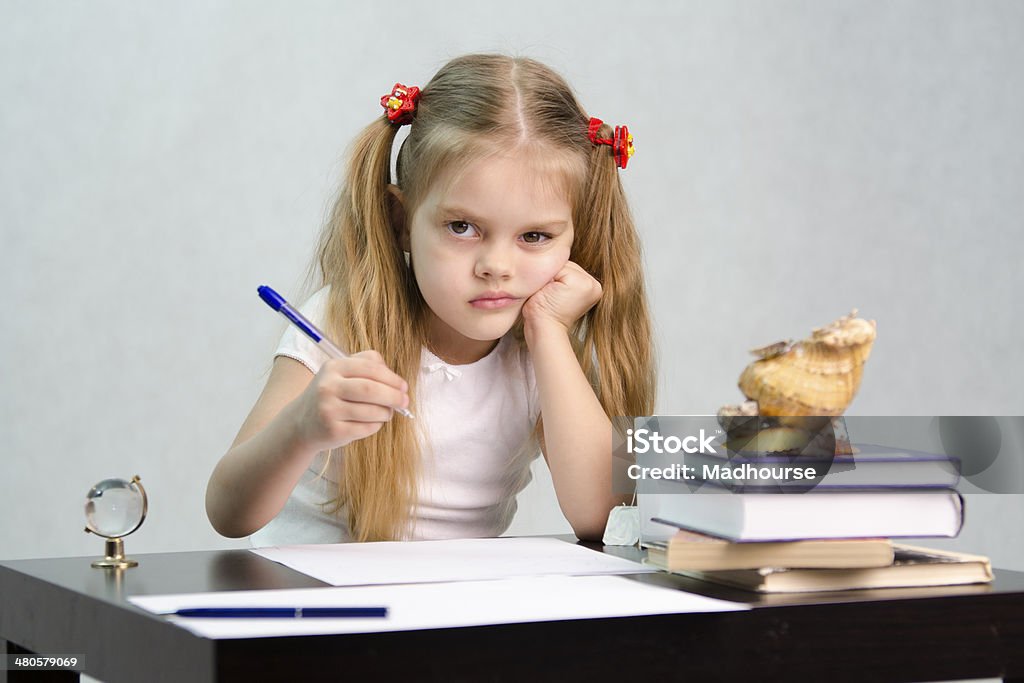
column 495, row 262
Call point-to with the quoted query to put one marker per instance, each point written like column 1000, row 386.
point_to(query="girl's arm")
column 576, row 433
column 297, row 416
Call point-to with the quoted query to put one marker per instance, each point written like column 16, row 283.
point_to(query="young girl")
column 495, row 290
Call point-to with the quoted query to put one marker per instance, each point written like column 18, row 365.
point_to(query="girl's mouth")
column 492, row 303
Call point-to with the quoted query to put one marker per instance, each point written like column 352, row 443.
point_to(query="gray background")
column 159, row 161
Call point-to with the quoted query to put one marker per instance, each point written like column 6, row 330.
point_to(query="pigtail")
column 361, row 236
column 615, row 350
column 372, row 306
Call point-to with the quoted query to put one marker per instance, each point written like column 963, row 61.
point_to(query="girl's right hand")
column 347, row 400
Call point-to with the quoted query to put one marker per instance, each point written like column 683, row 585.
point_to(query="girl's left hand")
column 564, row 300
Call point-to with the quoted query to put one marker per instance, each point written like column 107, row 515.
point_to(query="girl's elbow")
column 590, row 531
column 228, row 530
column 219, row 525
column 590, row 535
column 221, row 521
column 589, row 525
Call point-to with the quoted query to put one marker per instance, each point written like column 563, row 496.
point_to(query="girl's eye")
column 536, row 237
column 460, row 228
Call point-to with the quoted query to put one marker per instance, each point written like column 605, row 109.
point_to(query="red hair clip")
column 621, row 142
column 400, row 103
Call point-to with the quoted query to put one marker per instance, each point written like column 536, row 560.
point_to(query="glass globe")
column 114, row 508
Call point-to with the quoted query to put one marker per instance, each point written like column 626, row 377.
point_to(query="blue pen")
column 281, row 612
column 277, row 302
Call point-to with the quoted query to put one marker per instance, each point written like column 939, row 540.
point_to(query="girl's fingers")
column 359, row 390
column 365, row 412
column 369, row 365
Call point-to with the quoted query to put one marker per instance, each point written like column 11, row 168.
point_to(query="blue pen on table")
column 277, row 302
column 280, row 612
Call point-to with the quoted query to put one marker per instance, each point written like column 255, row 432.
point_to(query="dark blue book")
column 871, row 467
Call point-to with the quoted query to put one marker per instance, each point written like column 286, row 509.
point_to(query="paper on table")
column 465, row 559
column 439, row 605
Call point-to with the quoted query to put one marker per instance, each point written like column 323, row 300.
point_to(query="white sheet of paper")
column 465, row 559
column 438, row 605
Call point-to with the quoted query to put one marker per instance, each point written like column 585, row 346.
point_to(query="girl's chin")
column 489, row 327
column 489, row 332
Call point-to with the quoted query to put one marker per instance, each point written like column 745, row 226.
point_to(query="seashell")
column 815, row 376
column 739, row 421
column 738, row 413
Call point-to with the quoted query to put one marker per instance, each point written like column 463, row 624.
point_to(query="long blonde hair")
column 475, row 106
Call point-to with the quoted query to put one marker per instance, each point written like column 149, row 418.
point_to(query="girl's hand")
column 564, row 300
column 349, row 399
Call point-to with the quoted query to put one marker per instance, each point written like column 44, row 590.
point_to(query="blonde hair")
column 474, row 107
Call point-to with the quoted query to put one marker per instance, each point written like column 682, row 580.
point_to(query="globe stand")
column 115, row 517
column 115, row 558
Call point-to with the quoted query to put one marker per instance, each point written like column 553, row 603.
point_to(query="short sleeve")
column 294, row 344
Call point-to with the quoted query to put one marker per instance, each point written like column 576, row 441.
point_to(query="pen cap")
column 273, row 299
column 278, row 303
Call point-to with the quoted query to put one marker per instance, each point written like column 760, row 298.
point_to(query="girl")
column 496, row 288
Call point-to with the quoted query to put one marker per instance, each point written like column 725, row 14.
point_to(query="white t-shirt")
column 478, row 422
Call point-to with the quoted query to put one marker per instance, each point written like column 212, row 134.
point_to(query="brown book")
column 913, row 566
column 690, row 550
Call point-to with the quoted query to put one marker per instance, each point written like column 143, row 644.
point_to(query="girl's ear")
column 398, row 218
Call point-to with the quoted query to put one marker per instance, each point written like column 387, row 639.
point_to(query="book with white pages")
column 902, row 513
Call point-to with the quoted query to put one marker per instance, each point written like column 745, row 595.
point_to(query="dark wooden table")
column 63, row 606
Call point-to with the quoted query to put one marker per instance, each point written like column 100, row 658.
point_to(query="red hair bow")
column 621, row 142
column 400, row 103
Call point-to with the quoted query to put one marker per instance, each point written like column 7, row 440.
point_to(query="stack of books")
column 836, row 536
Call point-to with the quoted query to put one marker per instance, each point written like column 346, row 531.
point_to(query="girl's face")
column 479, row 251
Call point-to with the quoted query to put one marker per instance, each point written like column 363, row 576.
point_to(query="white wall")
column 159, row 161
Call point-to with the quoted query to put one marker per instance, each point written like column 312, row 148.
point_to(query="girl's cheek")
column 558, row 261
column 546, row 272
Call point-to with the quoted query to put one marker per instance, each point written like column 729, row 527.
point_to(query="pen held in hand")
column 280, row 612
column 277, row 302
